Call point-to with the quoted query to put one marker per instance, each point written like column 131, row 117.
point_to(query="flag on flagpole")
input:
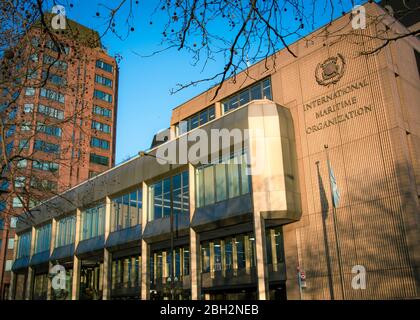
column 334, row 188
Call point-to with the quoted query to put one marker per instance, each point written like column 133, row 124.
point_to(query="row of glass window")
column 66, row 231
column 221, row 181
column 126, row 272
column 101, row 126
column 99, row 143
column 161, row 264
column 59, row 64
column 52, row 95
column 101, row 111
column 48, row 129
column 103, row 80
column 159, row 196
column 51, row 112
column 47, row 147
column 43, row 238
column 126, row 210
column 45, row 165
column 98, row 94
column 260, row 90
column 104, row 66
column 231, row 253
column 98, row 159
column 53, row 78
column 24, row 245
column 92, row 222
column 196, row 120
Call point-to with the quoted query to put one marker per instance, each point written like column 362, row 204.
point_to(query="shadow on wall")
column 371, row 234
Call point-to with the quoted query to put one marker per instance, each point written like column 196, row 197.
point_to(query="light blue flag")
column 334, row 188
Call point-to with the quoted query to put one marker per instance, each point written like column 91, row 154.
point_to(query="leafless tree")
column 243, row 32
column 35, row 60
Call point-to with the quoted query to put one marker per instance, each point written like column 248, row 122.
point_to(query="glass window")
column 47, row 147
column 98, row 159
column 28, row 107
column 159, row 195
column 13, row 222
column 11, row 244
column 49, row 130
column 205, row 257
column 101, row 126
column 196, row 120
column 45, row 165
column 126, row 272
column 93, row 222
column 275, row 248
column 43, row 238
column 221, row 181
column 260, row 90
column 98, row 94
column 228, row 254
column 99, row 143
column 51, row 112
column 29, row 92
column 8, row 266
column 52, row 95
column 65, row 234
column 102, row 111
column 103, row 80
column 24, row 245
column 17, row 203
column 104, row 66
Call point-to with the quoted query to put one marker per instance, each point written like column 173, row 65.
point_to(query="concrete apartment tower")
column 66, row 128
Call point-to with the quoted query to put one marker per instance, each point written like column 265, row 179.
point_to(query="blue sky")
column 145, row 102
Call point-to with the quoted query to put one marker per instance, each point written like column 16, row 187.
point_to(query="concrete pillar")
column 195, row 268
column 273, row 249
column 12, row 287
column 29, row 284
column 50, row 264
column 195, row 271
column 218, row 110
column 31, row 271
column 145, row 248
column 247, row 249
column 211, row 260
column 107, row 266
column 234, row 257
column 145, row 274
column 262, row 271
column 76, row 261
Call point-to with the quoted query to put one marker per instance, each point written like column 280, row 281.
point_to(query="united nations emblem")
column 330, row 71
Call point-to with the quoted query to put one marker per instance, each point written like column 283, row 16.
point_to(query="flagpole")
column 337, row 239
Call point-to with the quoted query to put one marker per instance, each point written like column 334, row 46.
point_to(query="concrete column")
column 223, row 262
column 107, row 266
column 211, row 260
column 50, row 264
column 218, row 110
column 30, row 278
column 247, row 249
column 12, row 287
column 273, row 249
column 107, row 280
column 262, row 271
column 29, row 284
column 234, row 257
column 145, row 248
column 76, row 261
column 195, row 268
column 195, row 272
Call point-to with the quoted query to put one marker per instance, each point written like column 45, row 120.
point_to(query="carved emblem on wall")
column 330, row 71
